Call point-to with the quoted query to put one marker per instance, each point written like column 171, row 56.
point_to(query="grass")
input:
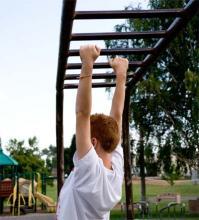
column 118, row 215
column 185, row 190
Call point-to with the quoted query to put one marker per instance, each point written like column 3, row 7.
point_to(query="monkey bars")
column 163, row 37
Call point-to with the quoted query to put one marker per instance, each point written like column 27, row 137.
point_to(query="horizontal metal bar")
column 117, row 35
column 124, row 14
column 94, row 85
column 102, row 65
column 125, row 51
column 96, row 76
column 176, row 26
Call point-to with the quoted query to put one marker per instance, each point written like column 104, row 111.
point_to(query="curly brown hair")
column 105, row 129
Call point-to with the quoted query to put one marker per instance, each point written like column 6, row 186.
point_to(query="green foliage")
column 69, row 155
column 51, row 157
column 31, row 159
column 171, row 175
column 28, row 156
column 165, row 105
column 151, row 164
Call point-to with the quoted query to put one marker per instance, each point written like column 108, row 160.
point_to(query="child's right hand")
column 89, row 53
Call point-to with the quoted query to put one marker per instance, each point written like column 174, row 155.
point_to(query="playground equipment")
column 16, row 200
column 47, row 201
column 24, row 197
column 6, row 185
column 21, row 193
column 6, row 188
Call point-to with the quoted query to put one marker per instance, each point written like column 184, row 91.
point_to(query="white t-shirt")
column 91, row 190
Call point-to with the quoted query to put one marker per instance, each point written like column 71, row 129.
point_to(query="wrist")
column 120, row 83
column 87, row 63
column 121, row 78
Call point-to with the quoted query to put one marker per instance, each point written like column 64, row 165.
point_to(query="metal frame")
column 182, row 17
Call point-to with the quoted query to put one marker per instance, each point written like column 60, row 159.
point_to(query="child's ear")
column 94, row 142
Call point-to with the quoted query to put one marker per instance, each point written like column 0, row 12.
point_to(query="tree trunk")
column 142, row 167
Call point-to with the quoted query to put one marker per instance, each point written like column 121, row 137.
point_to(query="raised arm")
column 88, row 55
column 120, row 67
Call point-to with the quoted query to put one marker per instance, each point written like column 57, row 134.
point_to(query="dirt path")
column 158, row 181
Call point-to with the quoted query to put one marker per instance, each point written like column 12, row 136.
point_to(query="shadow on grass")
column 118, row 215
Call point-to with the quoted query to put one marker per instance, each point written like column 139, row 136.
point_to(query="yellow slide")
column 47, row 201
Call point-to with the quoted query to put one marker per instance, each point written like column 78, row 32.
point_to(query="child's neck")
column 106, row 158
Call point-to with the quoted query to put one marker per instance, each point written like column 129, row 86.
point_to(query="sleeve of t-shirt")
column 86, row 168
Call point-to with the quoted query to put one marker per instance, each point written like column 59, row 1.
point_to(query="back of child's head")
column 105, row 129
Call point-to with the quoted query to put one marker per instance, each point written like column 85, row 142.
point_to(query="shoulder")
column 118, row 152
column 87, row 159
column 87, row 169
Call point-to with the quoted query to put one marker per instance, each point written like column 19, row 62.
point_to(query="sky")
column 29, row 42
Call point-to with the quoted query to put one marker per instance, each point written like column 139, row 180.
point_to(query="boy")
column 94, row 187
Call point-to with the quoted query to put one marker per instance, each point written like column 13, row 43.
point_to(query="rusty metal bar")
column 94, row 85
column 68, row 10
column 128, row 14
column 127, row 157
column 72, row 66
column 119, row 51
column 118, row 35
column 96, row 76
column 178, row 24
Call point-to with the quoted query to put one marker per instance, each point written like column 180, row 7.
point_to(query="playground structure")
column 180, row 19
column 24, row 195
column 6, row 185
column 28, row 193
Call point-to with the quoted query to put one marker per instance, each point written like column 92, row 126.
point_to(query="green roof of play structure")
column 6, row 160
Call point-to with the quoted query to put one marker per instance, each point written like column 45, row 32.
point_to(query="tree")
column 165, row 104
column 69, row 155
column 28, row 156
column 51, row 158
column 151, row 163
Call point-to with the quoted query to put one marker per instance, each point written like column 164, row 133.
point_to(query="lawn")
column 185, row 189
column 116, row 215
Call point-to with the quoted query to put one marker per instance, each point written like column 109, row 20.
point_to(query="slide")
column 47, row 201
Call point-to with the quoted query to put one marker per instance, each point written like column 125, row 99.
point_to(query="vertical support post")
column 60, row 139
column 16, row 207
column 1, row 173
column 127, row 158
column 68, row 12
